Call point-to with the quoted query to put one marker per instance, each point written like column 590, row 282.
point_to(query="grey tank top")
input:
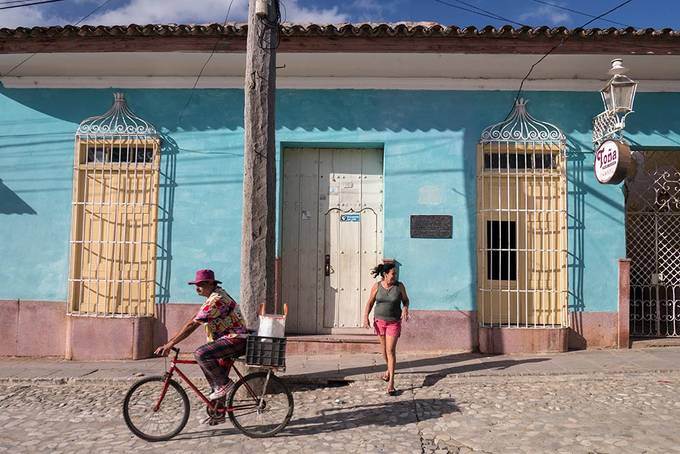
column 388, row 303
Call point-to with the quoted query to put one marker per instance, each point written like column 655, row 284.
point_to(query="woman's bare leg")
column 384, row 353
column 391, row 353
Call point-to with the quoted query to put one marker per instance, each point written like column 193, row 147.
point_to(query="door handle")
column 327, row 265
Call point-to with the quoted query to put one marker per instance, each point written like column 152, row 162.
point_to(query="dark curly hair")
column 382, row 269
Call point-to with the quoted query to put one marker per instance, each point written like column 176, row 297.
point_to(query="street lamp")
column 618, row 97
column 619, row 93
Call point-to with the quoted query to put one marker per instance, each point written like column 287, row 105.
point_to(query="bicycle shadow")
column 387, row 414
column 392, row 413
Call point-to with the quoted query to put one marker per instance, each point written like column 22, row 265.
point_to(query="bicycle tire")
column 240, row 396
column 150, row 401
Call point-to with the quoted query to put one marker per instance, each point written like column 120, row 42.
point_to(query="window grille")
column 115, row 198
column 521, row 223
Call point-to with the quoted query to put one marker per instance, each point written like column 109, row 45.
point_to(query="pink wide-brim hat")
column 204, row 276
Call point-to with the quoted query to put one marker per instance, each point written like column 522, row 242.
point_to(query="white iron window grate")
column 521, row 223
column 113, row 241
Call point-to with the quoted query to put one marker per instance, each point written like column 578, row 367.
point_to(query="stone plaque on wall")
column 431, row 226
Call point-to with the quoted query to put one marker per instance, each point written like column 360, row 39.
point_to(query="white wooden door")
column 331, row 235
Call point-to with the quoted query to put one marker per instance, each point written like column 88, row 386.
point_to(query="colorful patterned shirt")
column 221, row 316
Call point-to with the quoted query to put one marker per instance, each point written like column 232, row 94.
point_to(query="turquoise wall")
column 429, row 138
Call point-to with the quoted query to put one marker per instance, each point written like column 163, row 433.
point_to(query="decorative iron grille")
column 607, row 125
column 653, row 244
column 115, row 197
column 521, row 223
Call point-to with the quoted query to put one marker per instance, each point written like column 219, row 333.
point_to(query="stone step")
column 646, row 342
column 322, row 344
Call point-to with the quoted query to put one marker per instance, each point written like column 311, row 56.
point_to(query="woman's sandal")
column 392, row 392
column 385, row 377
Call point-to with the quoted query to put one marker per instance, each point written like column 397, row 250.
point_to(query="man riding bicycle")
column 226, row 330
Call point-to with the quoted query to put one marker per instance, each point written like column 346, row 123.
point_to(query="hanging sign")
column 613, row 162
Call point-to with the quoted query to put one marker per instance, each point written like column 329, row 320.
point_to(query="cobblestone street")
column 590, row 413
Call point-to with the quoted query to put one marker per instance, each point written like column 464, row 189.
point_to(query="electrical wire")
column 30, row 4
column 12, row 2
column 521, row 85
column 564, row 8
column 18, row 65
column 200, row 73
column 480, row 12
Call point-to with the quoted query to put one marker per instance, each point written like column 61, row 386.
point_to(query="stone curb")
column 330, row 379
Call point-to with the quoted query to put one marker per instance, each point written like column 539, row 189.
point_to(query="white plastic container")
column 272, row 325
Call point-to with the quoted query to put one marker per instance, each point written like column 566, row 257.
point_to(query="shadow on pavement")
column 388, row 414
column 434, row 368
column 434, row 377
column 384, row 414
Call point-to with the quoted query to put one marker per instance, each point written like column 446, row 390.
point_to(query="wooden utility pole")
column 259, row 161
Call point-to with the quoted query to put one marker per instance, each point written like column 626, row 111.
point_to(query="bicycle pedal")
column 214, row 421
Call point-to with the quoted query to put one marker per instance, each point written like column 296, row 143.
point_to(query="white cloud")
column 372, row 10
column 26, row 17
column 296, row 13
column 546, row 15
column 170, row 11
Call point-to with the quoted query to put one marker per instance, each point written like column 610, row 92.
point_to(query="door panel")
column 332, row 213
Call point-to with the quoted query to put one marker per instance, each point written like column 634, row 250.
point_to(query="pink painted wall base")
column 88, row 338
column 32, row 328
column 439, row 331
column 522, row 340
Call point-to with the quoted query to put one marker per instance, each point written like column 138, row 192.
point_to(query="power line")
column 92, row 12
column 200, row 73
column 577, row 12
column 18, row 65
column 521, row 85
column 11, row 2
column 29, row 4
column 480, row 12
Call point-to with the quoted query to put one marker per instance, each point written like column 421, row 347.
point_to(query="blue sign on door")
column 353, row 217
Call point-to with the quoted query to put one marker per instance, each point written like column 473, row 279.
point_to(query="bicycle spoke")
column 260, row 411
column 148, row 423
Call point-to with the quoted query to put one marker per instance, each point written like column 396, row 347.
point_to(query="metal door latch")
column 657, row 278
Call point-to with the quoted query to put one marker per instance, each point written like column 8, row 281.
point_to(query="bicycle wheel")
column 260, row 412
column 152, row 424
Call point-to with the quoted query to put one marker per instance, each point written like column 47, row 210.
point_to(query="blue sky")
column 638, row 13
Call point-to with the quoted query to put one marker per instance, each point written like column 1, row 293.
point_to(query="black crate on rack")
column 266, row 351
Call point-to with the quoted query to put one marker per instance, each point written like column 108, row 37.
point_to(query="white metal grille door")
column 653, row 245
column 115, row 196
column 521, row 223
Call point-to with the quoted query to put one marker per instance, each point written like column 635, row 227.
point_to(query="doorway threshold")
column 331, row 343
column 649, row 342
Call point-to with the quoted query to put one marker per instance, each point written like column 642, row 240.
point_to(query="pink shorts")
column 387, row 328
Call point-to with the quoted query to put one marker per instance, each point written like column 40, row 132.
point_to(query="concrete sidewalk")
column 355, row 367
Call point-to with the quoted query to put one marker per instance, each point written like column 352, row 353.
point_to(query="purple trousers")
column 208, row 356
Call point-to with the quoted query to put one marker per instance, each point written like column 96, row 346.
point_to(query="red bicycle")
column 157, row 408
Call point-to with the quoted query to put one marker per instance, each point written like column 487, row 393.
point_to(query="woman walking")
column 389, row 296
